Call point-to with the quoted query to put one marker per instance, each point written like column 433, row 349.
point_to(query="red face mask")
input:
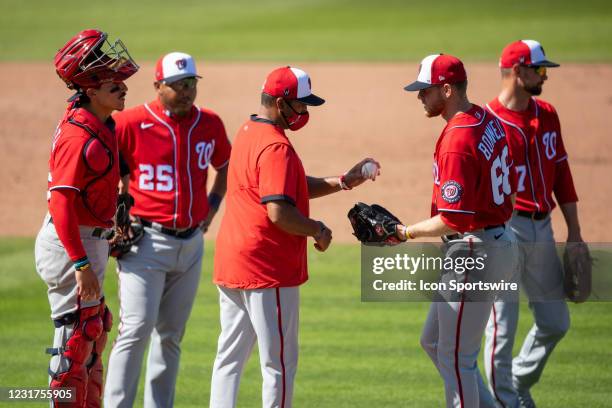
column 296, row 120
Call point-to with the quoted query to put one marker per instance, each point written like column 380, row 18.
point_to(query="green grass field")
column 317, row 30
column 352, row 354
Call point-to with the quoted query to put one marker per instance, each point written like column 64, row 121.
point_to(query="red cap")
column 291, row 83
column 438, row 69
column 525, row 52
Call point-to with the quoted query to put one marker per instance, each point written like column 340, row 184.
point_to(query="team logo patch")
column 181, row 63
column 452, row 191
column 286, row 92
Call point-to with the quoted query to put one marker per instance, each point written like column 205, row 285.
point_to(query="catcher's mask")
column 89, row 59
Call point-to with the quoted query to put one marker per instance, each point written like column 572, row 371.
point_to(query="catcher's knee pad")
column 76, row 352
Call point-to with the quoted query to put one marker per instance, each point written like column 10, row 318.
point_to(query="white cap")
column 175, row 66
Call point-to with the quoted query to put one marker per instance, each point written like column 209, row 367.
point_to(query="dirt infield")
column 367, row 114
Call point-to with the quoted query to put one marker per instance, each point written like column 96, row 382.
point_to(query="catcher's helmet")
column 88, row 59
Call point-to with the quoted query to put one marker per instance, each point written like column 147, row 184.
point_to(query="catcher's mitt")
column 577, row 265
column 374, row 224
column 121, row 244
column 122, row 216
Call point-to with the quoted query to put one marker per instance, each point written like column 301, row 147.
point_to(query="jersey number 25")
column 156, row 177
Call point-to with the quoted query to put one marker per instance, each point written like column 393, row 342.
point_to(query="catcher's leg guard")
column 74, row 341
column 95, row 368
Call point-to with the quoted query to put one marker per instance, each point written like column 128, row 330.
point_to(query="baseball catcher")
column 577, row 265
column 374, row 224
column 71, row 247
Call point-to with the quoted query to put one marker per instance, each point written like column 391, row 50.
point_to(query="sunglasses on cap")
column 184, row 84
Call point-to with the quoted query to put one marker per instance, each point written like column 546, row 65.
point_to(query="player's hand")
column 209, row 218
column 367, row 169
column 87, row 284
column 323, row 238
column 577, row 249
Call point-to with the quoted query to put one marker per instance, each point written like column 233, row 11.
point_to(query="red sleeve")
column 223, row 148
column 68, row 170
column 457, row 190
column 278, row 170
column 564, row 189
column 61, row 208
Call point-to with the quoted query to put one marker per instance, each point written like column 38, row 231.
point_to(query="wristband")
column 81, row 264
column 214, row 201
column 407, row 234
column 342, row 182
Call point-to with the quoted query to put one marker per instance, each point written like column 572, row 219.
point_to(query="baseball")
column 369, row 170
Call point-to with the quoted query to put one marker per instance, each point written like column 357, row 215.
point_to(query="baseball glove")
column 577, row 265
column 122, row 216
column 121, row 243
column 374, row 224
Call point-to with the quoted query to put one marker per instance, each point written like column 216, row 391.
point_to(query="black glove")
column 374, row 224
column 120, row 244
column 122, row 216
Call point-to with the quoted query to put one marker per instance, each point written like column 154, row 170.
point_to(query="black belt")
column 490, row 227
column 534, row 215
column 182, row 234
column 446, row 238
column 97, row 232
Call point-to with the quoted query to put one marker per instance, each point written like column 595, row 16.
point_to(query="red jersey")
column 539, row 155
column 473, row 180
column 168, row 158
column 84, row 158
column 251, row 252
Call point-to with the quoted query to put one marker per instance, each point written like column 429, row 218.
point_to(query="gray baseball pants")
column 57, row 270
column 158, row 281
column 453, row 331
column 541, row 276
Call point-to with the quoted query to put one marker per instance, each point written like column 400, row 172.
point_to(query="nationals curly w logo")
column 205, row 152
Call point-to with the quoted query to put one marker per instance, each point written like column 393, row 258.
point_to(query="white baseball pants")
column 270, row 318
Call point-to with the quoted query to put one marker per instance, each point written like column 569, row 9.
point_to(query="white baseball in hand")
column 369, row 170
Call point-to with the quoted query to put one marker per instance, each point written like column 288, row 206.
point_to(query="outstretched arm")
column 322, row 186
column 431, row 227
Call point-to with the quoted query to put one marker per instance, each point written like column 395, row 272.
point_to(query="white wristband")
column 342, row 182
